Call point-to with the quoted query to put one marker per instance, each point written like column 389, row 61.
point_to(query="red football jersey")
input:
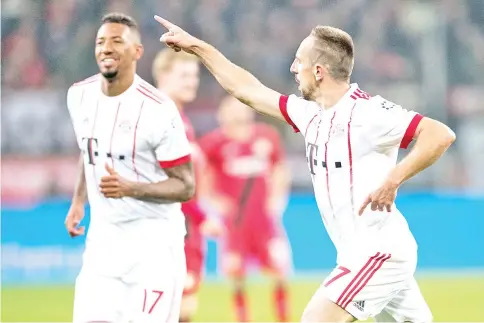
column 242, row 170
column 194, row 216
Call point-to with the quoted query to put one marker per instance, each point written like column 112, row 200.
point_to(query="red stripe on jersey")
column 361, row 284
column 410, row 132
column 175, row 162
column 82, row 97
column 144, row 92
column 342, row 297
column 306, row 132
column 360, row 94
column 283, row 108
column 92, row 136
column 112, row 135
column 350, row 159
column 91, row 79
column 327, row 164
column 133, row 155
column 153, row 91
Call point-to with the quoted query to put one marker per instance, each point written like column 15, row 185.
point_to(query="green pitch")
column 450, row 299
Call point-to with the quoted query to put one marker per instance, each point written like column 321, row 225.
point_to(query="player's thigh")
column 364, row 286
column 158, row 287
column 321, row 309
column 407, row 306
column 234, row 253
column 98, row 298
column 275, row 255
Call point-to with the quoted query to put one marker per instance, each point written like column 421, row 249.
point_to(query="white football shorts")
column 378, row 286
column 129, row 282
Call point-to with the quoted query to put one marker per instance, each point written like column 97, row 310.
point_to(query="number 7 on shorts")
column 342, row 272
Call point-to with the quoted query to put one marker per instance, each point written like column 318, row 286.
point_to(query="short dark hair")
column 335, row 48
column 120, row 18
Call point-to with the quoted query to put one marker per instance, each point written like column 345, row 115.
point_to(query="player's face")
column 302, row 67
column 182, row 80
column 117, row 48
column 235, row 113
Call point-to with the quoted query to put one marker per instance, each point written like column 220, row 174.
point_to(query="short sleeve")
column 74, row 99
column 392, row 125
column 297, row 112
column 172, row 148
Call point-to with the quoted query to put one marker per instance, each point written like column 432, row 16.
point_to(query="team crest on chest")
column 125, row 125
column 338, row 129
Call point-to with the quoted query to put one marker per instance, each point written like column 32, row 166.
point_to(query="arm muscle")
column 179, row 187
column 238, row 82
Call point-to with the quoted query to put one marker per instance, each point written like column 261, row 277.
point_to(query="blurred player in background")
column 135, row 168
column 248, row 182
column 177, row 75
column 352, row 141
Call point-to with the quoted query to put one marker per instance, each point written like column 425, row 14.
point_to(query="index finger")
column 164, row 22
column 364, row 205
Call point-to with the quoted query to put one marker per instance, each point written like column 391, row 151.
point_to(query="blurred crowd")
column 424, row 55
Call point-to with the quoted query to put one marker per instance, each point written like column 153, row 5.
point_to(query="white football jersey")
column 350, row 149
column 138, row 133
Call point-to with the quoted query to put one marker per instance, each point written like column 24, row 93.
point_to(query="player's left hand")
column 113, row 185
column 381, row 199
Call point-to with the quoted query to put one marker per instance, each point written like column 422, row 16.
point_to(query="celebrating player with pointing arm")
column 135, row 167
column 352, row 141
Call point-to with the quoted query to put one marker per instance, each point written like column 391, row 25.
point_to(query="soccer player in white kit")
column 352, row 141
column 135, row 166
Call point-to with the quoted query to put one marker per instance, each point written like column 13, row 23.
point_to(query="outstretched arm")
column 235, row 80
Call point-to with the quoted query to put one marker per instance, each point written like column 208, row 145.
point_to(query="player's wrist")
column 133, row 189
column 395, row 178
column 199, row 47
column 78, row 201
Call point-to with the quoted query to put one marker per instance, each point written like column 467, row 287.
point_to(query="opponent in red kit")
column 246, row 179
column 177, row 75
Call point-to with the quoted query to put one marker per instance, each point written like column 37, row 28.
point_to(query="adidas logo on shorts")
column 360, row 305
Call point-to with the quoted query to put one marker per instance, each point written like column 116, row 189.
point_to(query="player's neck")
column 332, row 94
column 118, row 85
column 179, row 105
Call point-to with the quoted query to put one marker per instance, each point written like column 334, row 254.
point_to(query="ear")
column 139, row 52
column 319, row 72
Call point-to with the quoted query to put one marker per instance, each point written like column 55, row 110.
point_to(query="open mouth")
column 108, row 62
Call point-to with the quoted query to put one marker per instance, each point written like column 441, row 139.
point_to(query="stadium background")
column 425, row 55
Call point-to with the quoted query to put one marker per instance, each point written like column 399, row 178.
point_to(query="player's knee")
column 232, row 266
column 188, row 307
column 280, row 254
column 190, row 282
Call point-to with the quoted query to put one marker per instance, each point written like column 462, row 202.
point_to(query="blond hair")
column 165, row 59
column 334, row 48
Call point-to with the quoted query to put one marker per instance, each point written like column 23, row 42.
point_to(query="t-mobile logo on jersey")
column 91, row 148
column 312, row 153
column 312, row 158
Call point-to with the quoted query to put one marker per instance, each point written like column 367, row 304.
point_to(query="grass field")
column 450, row 299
